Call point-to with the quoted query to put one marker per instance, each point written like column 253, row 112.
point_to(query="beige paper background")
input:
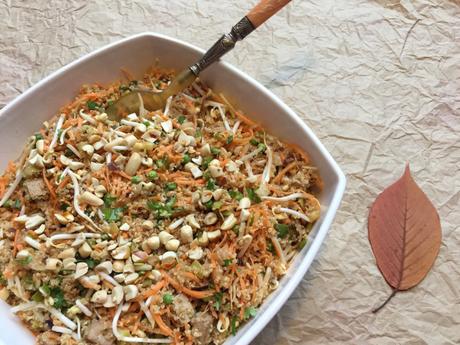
column 375, row 102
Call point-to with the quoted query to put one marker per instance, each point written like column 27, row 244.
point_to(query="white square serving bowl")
column 26, row 113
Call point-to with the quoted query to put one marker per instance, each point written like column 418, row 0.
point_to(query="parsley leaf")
column 91, row 105
column 181, row 119
column 218, row 300
column 236, row 194
column 58, row 297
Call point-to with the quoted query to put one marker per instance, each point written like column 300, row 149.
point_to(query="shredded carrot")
column 283, row 172
column 165, row 330
column 187, row 291
column 153, row 290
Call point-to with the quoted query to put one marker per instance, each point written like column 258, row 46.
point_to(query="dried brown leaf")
column 405, row 234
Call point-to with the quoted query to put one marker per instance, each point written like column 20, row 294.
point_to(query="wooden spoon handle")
column 264, row 10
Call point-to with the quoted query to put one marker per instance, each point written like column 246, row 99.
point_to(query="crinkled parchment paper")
column 379, row 83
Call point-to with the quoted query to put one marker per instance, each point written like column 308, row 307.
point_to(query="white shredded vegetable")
column 56, row 313
column 132, row 339
column 293, row 213
column 108, row 278
column 56, row 133
column 62, row 137
column 290, row 197
column 11, row 188
column 76, row 194
column 142, row 111
column 268, row 166
column 236, row 126
column 74, row 150
column 84, row 309
column 87, row 117
column 62, row 330
column 224, row 119
column 251, row 154
column 168, row 106
column 147, row 313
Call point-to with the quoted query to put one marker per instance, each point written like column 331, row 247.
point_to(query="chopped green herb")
column 215, row 151
column 236, row 194
column 229, row 139
column 270, row 247
column 170, row 186
column 38, row 136
column 135, row 179
column 227, row 262
column 109, row 200
column 91, row 105
column 168, row 298
column 25, row 261
column 162, row 210
column 58, row 297
column 254, row 141
column 152, row 175
column 198, row 133
column 218, row 300
column 63, row 207
column 282, row 229
column 146, row 123
column 46, row 289
column 252, row 195
column 112, row 214
column 181, row 119
column 250, row 312
column 162, row 163
column 211, row 185
column 206, row 161
column 186, row 159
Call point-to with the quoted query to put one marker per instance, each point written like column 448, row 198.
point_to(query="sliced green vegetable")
column 216, row 205
column 236, row 194
column 233, row 325
column 218, row 300
column 168, row 298
column 186, row 159
column 135, row 179
column 25, row 261
column 112, row 214
column 252, row 195
column 211, row 185
column 229, row 139
column 282, row 229
column 250, row 312
column 215, row 151
column 227, row 262
column 206, row 161
column 254, row 141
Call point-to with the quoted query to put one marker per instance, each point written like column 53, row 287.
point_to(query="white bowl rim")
column 257, row 324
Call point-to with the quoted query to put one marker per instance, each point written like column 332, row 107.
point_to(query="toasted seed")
column 203, row 240
column 172, row 244
column 244, row 203
column 121, row 253
column 117, row 294
column 131, row 278
column 192, row 221
column 195, row 253
column 244, row 243
column 229, row 222
column 120, row 277
column 148, row 225
column 210, row 218
column 168, row 257
column 245, row 214
column 69, row 264
column 176, row 224
column 218, row 193
column 105, row 266
column 99, row 297
column 53, row 264
column 23, row 254
column 186, row 234
column 85, row 250
column 206, row 196
column 133, row 164
column 91, row 199
column 118, row 265
column 213, row 235
column 153, row 242
column 131, row 292
column 67, row 253
column 165, row 237
column 81, row 269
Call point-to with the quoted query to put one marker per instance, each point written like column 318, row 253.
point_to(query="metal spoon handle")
column 258, row 15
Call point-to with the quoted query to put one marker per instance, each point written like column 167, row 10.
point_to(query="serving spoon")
column 130, row 102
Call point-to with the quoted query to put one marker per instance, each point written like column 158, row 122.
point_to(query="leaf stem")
column 386, row 301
